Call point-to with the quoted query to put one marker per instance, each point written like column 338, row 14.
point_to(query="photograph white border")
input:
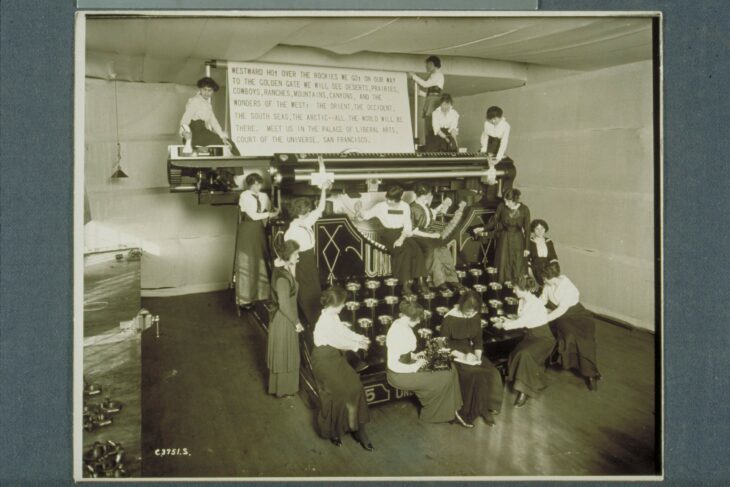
column 78, row 225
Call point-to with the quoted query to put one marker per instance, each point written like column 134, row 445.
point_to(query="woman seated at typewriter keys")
column 481, row 383
column 438, row 391
column 199, row 126
column 445, row 122
column 573, row 325
column 342, row 403
column 252, row 249
column 439, row 261
column 526, row 366
column 301, row 229
column 282, row 352
column 407, row 258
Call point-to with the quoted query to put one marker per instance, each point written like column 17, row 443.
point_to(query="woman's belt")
column 433, row 90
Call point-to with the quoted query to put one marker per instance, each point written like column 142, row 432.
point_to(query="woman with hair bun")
column 511, row 222
column 342, row 403
column 526, row 366
column 199, row 126
column 301, row 229
column 438, row 391
column 282, row 352
column 431, row 88
column 408, row 261
column 542, row 249
column 480, row 381
column 252, row 250
column 574, row 325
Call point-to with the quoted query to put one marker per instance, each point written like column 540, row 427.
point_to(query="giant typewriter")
column 349, row 253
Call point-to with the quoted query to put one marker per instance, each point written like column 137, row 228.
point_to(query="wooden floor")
column 204, row 389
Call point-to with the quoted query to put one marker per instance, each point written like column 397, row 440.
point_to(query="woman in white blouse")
column 432, row 87
column 445, row 121
column 343, row 406
column 438, row 391
column 199, row 125
column 408, row 261
column 573, row 324
column 526, row 366
column 495, row 136
column 252, row 251
column 301, row 230
column 494, row 141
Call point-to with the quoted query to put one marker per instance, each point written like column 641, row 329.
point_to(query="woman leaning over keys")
column 526, row 366
column 574, row 325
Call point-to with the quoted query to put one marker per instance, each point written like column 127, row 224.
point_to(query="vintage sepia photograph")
column 379, row 245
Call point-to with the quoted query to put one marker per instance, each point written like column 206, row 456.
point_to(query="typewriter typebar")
column 299, row 168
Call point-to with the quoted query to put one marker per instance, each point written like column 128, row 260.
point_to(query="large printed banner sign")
column 286, row 108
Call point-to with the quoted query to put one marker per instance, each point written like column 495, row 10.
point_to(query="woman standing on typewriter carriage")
column 342, row 403
column 252, row 249
column 445, row 121
column 494, row 141
column 573, row 324
column 282, row 352
column 481, row 383
column 301, row 230
column 408, row 261
column 526, row 366
column 438, row 391
column 432, row 86
column 199, row 126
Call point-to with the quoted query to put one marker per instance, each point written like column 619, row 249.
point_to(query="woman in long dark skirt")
column 445, row 125
column 511, row 223
column 301, row 229
column 481, row 383
column 342, row 403
column 542, row 249
column 282, row 351
column 199, row 125
column 526, row 366
column 438, row 391
column 252, row 249
column 574, row 325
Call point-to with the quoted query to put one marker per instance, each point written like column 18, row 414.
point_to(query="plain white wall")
column 583, row 145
